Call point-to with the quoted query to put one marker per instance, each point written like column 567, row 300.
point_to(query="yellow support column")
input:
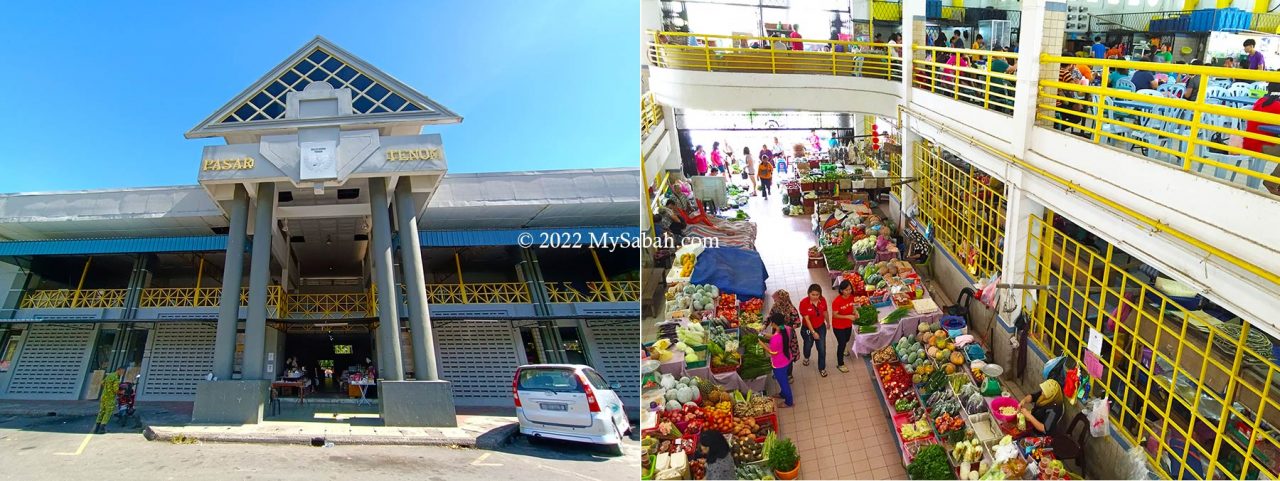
column 195, row 300
column 462, row 288
column 75, row 300
column 607, row 287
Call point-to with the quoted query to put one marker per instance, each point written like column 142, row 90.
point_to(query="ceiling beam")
column 322, row 211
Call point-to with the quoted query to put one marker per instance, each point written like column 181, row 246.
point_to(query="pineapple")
column 705, row 388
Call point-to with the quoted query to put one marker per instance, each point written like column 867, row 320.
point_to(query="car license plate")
column 553, row 407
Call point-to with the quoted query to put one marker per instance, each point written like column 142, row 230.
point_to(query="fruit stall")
column 953, row 417
column 686, row 407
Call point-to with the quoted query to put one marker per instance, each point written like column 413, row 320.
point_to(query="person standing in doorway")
column 815, row 141
column 1254, row 59
column 813, row 311
column 795, row 34
column 842, row 313
column 107, row 401
column 717, row 158
column 765, row 172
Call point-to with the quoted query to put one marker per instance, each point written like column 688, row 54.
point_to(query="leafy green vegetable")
column 931, row 463
column 896, row 315
column 867, row 315
column 755, row 361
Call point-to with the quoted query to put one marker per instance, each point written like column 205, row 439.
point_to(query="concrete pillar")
column 650, row 19
column 912, row 34
column 1042, row 29
column 224, row 344
column 255, row 326
column 1016, row 235
column 424, row 353
column 909, row 140
column 392, row 368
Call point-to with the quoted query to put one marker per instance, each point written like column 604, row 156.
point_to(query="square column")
column 1016, row 237
column 1043, row 27
column 255, row 327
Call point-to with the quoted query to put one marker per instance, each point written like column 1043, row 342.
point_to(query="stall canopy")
column 733, row 270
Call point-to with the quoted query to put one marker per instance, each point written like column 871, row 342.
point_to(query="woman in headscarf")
column 783, row 306
column 715, row 450
column 107, row 402
column 1042, row 409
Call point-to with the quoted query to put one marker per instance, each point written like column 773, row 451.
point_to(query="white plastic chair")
column 1126, row 84
column 1240, row 89
column 1173, row 89
column 1215, row 91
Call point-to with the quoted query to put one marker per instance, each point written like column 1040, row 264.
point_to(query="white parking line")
column 558, row 470
column 479, row 461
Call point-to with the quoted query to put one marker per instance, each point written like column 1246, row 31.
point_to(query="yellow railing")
column 180, row 297
column 70, row 298
column 1195, row 135
column 966, row 209
column 650, row 113
column 740, row 53
column 979, row 77
column 623, row 291
column 329, row 305
column 1190, row 388
column 895, row 173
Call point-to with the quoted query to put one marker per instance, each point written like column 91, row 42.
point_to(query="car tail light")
column 591, row 394
column 514, row 391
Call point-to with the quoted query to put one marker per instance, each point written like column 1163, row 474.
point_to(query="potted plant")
column 783, row 459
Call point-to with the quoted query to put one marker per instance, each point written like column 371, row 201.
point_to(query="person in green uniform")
column 107, row 402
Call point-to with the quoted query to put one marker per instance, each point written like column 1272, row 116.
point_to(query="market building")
column 1102, row 202
column 326, row 234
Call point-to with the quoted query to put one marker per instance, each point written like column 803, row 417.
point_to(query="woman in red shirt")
column 815, row 315
column 1269, row 103
column 842, row 314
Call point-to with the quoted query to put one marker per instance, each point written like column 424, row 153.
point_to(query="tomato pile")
column 947, row 423
column 719, row 421
column 752, row 305
column 686, row 413
column 728, row 309
column 896, row 381
column 859, row 286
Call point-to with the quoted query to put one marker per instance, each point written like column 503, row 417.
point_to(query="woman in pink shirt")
column 780, row 354
column 700, row 158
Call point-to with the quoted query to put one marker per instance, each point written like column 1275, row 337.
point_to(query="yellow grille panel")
column 966, row 208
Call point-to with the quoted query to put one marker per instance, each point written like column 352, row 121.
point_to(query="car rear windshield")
column 549, row 379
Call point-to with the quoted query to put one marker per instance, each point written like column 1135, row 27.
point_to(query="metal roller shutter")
column 617, row 352
column 479, row 359
column 52, row 362
column 181, row 355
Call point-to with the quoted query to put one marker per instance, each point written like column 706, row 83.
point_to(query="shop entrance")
column 328, row 358
column 549, row 343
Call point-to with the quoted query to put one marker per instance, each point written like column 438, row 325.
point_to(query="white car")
column 569, row 402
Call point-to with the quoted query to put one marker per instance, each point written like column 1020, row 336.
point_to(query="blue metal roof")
column 584, row 236
column 114, row 246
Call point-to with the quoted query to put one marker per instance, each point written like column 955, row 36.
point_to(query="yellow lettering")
column 243, row 163
column 414, row 154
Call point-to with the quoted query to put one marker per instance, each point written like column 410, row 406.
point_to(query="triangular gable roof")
column 375, row 95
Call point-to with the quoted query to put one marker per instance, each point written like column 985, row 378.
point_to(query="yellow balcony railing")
column 71, row 298
column 1191, row 389
column 624, row 291
column 181, row 297
column 650, row 113
column 883, row 11
column 979, row 77
column 966, row 208
column 1206, row 131
column 740, row 53
column 329, row 305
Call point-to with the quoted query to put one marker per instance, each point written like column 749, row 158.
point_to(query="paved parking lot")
column 49, row 448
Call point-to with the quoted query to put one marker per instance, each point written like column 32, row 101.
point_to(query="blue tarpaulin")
column 733, row 270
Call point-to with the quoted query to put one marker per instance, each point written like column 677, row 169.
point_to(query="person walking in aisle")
column 717, row 158
column 795, row 34
column 780, row 354
column 750, row 172
column 765, row 172
column 842, row 313
column 783, row 306
column 813, row 310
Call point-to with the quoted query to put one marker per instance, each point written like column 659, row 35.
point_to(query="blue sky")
column 98, row 96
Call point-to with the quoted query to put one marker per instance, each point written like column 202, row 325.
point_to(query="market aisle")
column 838, row 424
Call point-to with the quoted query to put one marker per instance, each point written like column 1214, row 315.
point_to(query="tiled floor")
column 839, row 424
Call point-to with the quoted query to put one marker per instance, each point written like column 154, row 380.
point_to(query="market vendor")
column 843, row 312
column 670, row 219
column 917, row 247
column 1042, row 409
column 715, row 449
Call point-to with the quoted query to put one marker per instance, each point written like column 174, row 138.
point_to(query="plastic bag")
column 1098, row 412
